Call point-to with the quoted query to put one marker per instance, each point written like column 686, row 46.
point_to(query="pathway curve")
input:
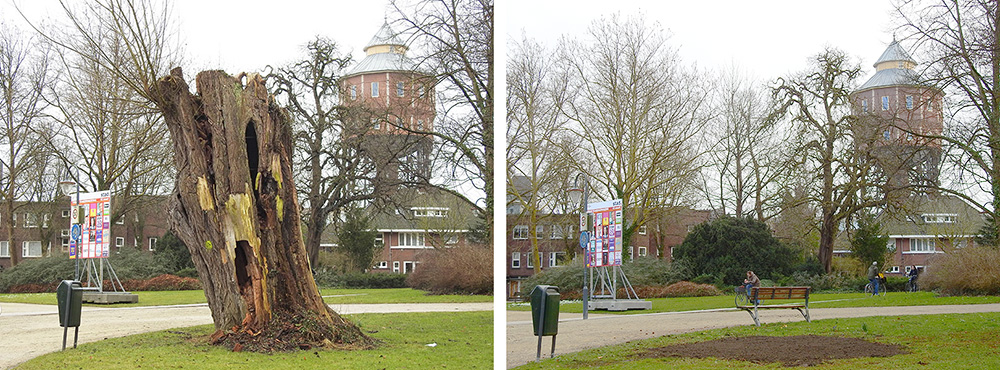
column 29, row 330
column 601, row 330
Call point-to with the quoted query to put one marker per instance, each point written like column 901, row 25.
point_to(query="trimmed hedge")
column 158, row 283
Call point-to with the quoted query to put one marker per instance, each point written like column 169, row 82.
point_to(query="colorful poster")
column 606, row 245
column 95, row 236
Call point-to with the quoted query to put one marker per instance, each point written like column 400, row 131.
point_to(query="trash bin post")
column 69, row 296
column 545, row 315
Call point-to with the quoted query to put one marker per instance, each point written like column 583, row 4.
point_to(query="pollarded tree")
column 730, row 246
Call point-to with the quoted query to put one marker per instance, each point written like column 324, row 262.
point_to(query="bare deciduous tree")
column 24, row 76
column 958, row 39
column 636, row 112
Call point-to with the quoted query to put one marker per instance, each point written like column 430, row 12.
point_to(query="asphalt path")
column 30, row 330
column 599, row 330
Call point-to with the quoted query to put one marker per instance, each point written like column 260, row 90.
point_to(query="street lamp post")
column 582, row 188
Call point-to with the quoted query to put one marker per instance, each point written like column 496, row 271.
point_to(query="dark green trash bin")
column 545, row 307
column 70, row 297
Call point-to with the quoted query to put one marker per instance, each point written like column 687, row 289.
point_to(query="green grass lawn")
column 464, row 340
column 951, row 341
column 818, row 300
column 336, row 296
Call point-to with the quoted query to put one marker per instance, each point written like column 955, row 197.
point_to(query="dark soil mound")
column 805, row 350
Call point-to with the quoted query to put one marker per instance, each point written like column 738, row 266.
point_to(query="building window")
column 420, row 90
column 374, row 89
column 354, row 92
column 429, row 212
column 451, row 239
column 557, row 232
column 121, row 220
column 642, row 230
column 539, row 231
column 395, row 266
column 520, row 232
column 420, row 124
column 642, row 252
column 376, row 124
column 886, row 135
column 30, row 220
column 921, row 245
column 46, row 219
column 411, row 239
column 31, row 249
column 885, row 103
column 65, row 213
column 64, row 242
column 383, row 264
column 909, row 102
column 152, row 244
column 399, row 89
column 531, row 261
column 943, row 218
column 379, row 239
column 894, row 270
column 864, row 106
column 119, row 242
column 4, row 249
column 556, row 258
column 64, row 233
column 515, row 260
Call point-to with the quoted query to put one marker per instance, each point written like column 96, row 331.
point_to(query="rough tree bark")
column 235, row 207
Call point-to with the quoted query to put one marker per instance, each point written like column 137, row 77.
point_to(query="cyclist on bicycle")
column 913, row 277
column 750, row 282
column 873, row 277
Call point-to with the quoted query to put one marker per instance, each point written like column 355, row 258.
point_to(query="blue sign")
column 584, row 239
column 75, row 230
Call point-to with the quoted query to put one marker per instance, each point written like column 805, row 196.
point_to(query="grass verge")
column 337, row 296
column 951, row 341
column 463, row 340
column 819, row 300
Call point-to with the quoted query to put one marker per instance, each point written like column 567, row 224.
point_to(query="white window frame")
column 412, row 240
column 922, row 245
column 451, row 239
column 531, row 261
column 376, row 124
column 395, row 266
column 557, row 232
column 4, row 249
column 383, row 264
column 46, row 220
column 152, row 244
column 515, row 260
column 909, row 102
column 26, row 248
column 375, row 88
column 885, row 103
column 65, row 213
column 400, row 89
column 379, row 238
column 642, row 230
column 119, row 242
column 554, row 258
column 420, row 90
column 894, row 270
column 939, row 218
column 539, row 231
column 354, row 92
column 120, row 220
column 520, row 232
column 642, row 252
column 864, row 105
column 420, row 125
column 30, row 220
column 64, row 233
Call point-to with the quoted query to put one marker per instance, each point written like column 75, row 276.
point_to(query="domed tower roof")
column 894, row 67
column 384, row 53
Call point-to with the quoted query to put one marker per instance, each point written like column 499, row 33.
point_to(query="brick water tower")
column 897, row 115
column 391, row 105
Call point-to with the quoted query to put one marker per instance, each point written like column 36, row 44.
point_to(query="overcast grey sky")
column 245, row 36
column 767, row 39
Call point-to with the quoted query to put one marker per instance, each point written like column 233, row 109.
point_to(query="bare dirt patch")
column 804, row 350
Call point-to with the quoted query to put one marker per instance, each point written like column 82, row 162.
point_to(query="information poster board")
column 605, row 247
column 95, row 228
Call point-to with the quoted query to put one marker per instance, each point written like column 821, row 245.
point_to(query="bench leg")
column 756, row 319
column 805, row 313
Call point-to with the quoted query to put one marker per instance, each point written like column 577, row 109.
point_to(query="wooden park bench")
column 750, row 303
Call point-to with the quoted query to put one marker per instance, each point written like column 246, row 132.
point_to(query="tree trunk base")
column 288, row 332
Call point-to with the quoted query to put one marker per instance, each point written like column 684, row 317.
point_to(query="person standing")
column 873, row 277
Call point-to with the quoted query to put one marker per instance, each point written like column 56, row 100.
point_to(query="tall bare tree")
column 748, row 150
column 827, row 143
column 24, row 77
column 636, row 111
column 536, row 171
column 958, row 39
column 457, row 37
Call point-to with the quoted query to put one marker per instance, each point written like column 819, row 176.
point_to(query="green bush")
column 42, row 271
column 640, row 272
column 360, row 280
column 837, row 281
column 136, row 264
column 730, row 246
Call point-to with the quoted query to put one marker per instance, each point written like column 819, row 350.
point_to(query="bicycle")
column 912, row 286
column 881, row 289
column 742, row 299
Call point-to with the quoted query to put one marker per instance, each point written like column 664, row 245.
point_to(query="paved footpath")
column 29, row 330
column 601, row 330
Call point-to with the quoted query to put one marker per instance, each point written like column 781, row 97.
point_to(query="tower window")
column 399, row 89
column 376, row 124
column 354, row 92
column 420, row 90
column 909, row 102
column 885, row 102
column 374, row 89
column 864, row 105
column 886, row 135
